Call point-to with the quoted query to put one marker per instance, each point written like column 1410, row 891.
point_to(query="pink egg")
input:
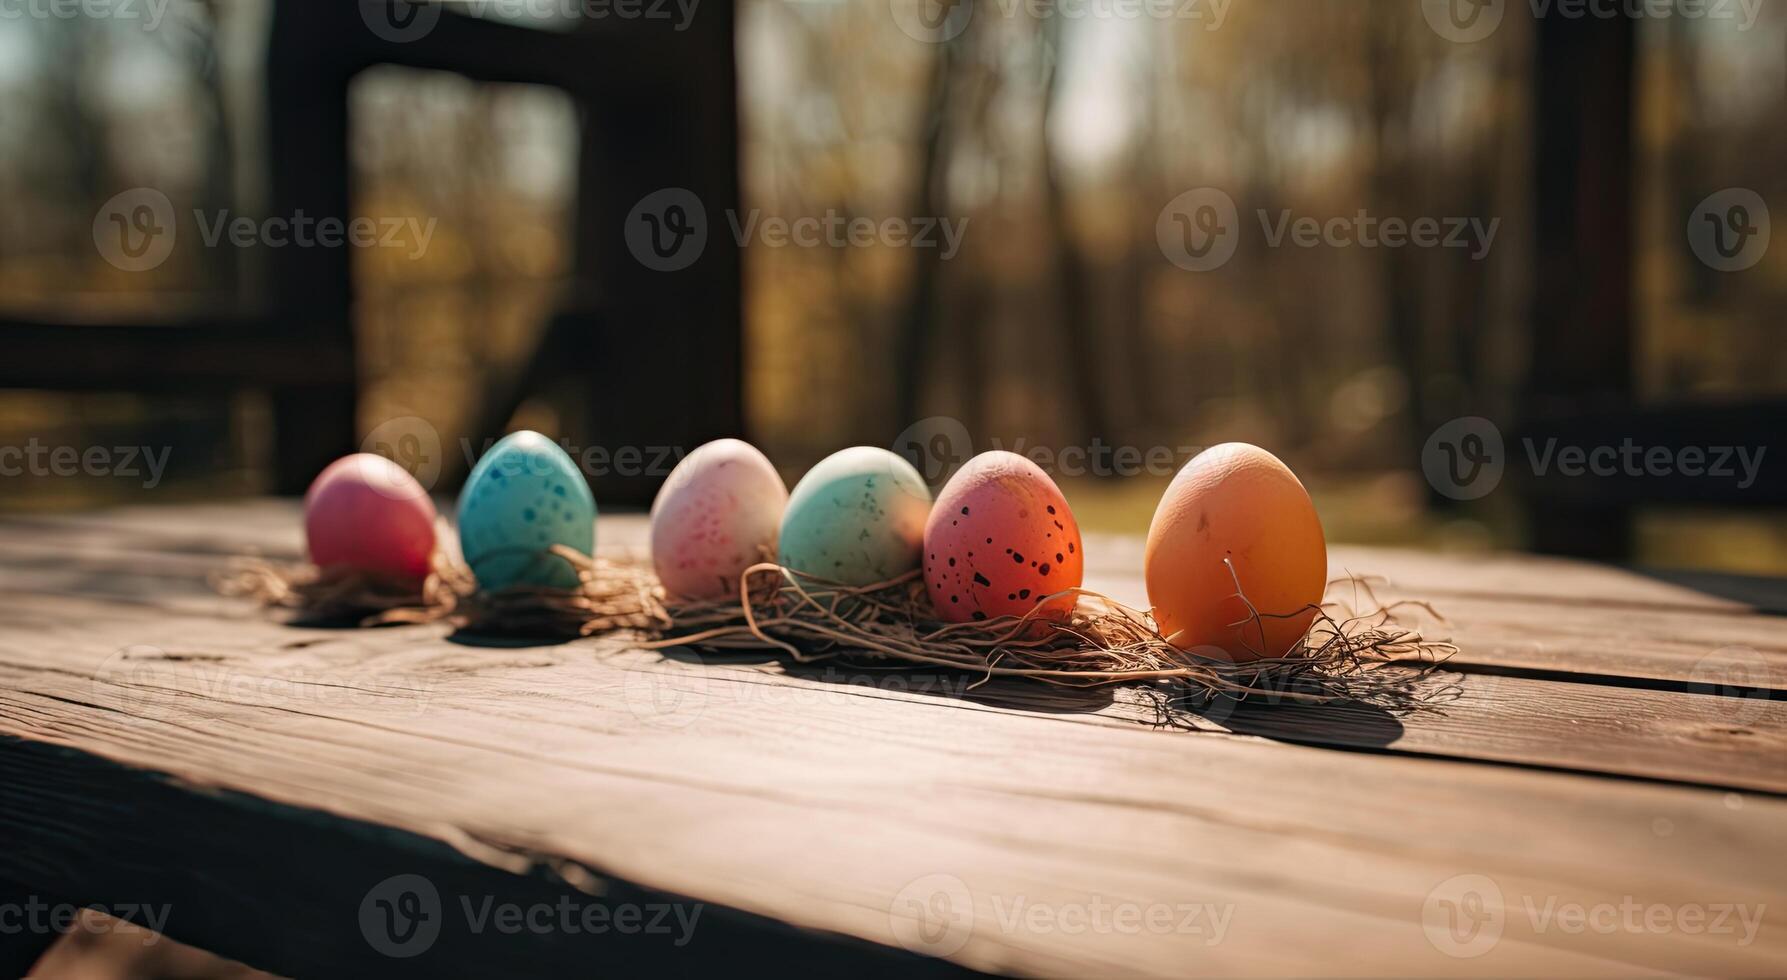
column 365, row 512
column 1000, row 539
column 717, row 515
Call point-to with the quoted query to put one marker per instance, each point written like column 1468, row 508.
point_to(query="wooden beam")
column 213, row 354
column 1582, row 339
column 297, row 892
column 308, row 73
column 682, row 327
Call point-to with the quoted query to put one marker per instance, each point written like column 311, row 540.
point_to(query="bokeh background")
column 1057, row 139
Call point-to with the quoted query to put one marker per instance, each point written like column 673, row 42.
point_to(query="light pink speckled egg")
column 716, row 516
column 367, row 513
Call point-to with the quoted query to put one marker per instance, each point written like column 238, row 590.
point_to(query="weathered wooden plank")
column 830, row 806
column 293, row 891
column 1720, row 741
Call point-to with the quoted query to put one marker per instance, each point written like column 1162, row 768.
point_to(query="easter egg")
column 1235, row 502
column 365, row 512
column 1000, row 539
column 716, row 516
column 524, row 496
column 857, row 518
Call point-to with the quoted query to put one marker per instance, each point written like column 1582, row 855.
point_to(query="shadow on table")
column 1347, row 723
column 1765, row 595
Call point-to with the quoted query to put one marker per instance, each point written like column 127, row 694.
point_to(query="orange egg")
column 1235, row 502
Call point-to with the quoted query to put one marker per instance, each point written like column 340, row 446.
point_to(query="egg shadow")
column 473, row 636
column 916, row 679
column 1342, row 723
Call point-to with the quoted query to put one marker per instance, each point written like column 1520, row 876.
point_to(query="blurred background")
column 1054, row 137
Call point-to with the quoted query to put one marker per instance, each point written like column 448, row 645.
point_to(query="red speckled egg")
column 367, row 513
column 1000, row 539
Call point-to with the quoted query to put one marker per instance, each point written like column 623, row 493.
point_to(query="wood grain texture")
column 1029, row 832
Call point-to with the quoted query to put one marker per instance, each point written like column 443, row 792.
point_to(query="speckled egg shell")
column 1000, row 539
column 367, row 513
column 523, row 497
column 857, row 518
column 716, row 516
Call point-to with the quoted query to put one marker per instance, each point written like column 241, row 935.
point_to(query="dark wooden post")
column 1582, row 339
column 308, row 69
column 667, row 369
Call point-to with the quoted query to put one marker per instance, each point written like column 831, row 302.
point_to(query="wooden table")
column 1603, row 795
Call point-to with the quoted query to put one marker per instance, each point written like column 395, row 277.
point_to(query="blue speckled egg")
column 856, row 518
column 523, row 497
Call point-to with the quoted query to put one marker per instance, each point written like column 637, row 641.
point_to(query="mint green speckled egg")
column 857, row 518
